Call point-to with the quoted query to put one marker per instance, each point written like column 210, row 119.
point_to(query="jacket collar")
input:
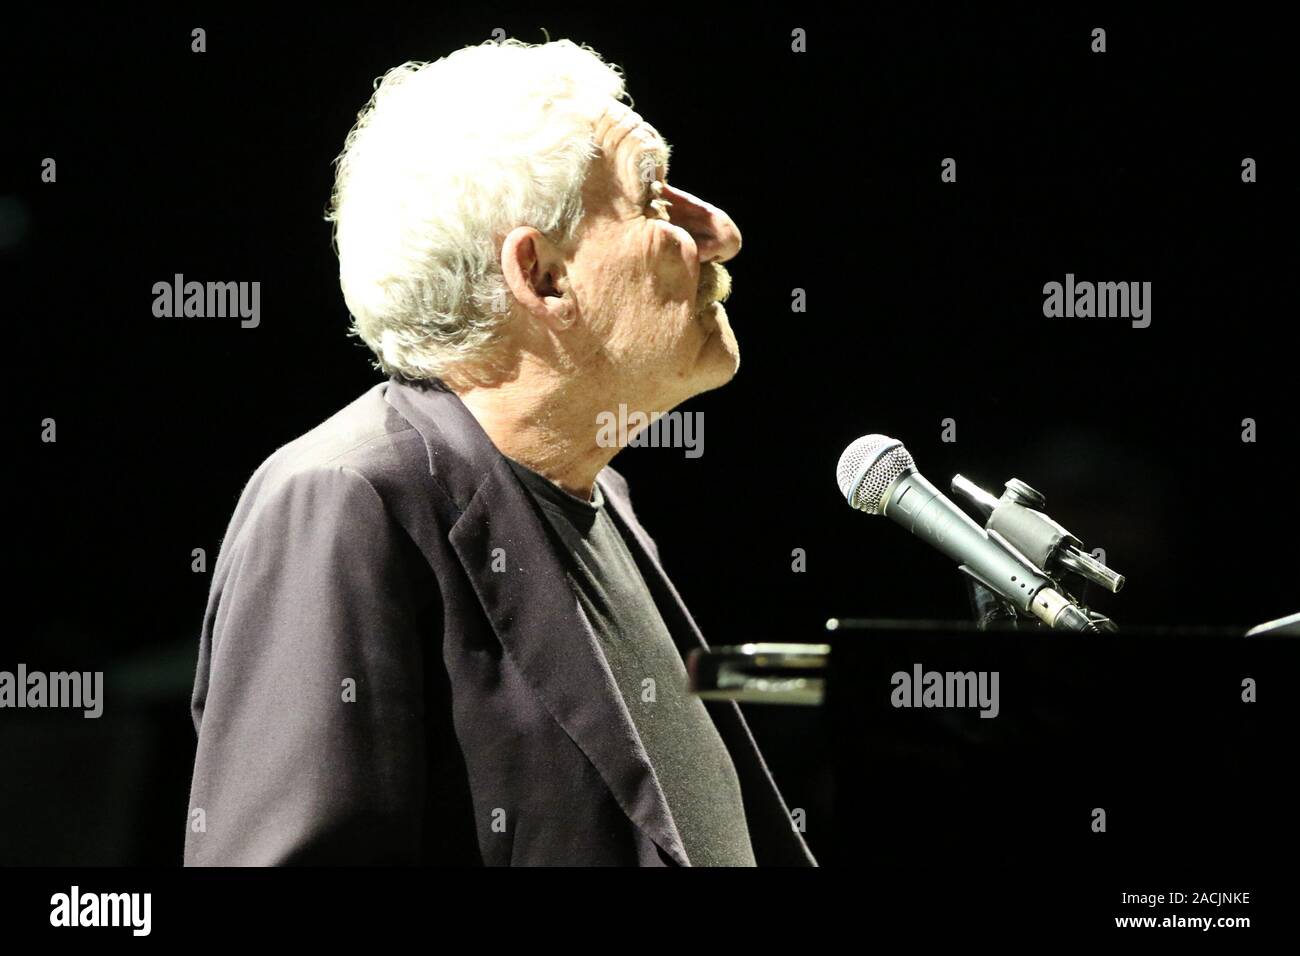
column 531, row 606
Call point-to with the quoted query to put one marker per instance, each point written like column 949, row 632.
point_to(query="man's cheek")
column 674, row 243
column 672, row 286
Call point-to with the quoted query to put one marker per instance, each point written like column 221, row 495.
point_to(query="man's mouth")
column 709, row 315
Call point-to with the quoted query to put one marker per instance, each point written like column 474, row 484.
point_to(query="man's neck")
column 547, row 425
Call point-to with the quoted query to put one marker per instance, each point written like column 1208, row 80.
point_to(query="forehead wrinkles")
column 614, row 124
column 624, row 137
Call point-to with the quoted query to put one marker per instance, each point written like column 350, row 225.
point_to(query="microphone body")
column 916, row 504
column 876, row 474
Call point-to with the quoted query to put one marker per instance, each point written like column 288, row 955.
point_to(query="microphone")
column 876, row 474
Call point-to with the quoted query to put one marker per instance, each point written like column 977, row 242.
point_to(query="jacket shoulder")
column 366, row 443
column 366, row 436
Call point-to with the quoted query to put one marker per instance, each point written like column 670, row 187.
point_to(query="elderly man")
column 437, row 632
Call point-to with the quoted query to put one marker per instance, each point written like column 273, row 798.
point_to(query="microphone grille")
column 868, row 467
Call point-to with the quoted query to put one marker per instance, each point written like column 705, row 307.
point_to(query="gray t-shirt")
column 687, row 754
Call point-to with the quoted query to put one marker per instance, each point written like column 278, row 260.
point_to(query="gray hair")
column 446, row 159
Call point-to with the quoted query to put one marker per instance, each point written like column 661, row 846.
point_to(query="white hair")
column 446, row 159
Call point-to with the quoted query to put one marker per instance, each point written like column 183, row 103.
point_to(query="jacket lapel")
column 531, row 604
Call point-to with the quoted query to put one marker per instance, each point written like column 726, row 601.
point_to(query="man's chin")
column 720, row 355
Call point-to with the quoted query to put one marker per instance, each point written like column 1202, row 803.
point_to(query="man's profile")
column 436, row 631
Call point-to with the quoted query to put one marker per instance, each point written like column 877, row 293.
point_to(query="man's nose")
column 716, row 236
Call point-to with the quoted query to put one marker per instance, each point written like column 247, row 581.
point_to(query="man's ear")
column 535, row 274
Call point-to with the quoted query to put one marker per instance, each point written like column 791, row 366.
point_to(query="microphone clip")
column 1016, row 521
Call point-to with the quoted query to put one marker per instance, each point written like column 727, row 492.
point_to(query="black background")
column 924, row 303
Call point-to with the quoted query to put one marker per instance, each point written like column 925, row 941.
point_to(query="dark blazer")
column 484, row 726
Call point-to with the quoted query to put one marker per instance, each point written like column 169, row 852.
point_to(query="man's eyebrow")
column 659, row 154
column 663, row 153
